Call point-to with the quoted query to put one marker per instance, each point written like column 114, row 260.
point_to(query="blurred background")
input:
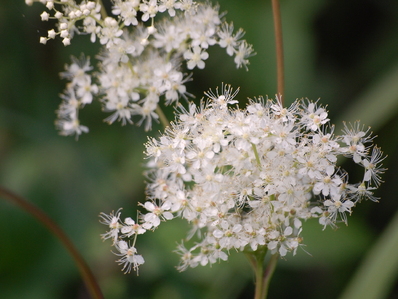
column 344, row 52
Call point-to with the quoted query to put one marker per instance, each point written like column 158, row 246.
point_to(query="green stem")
column 104, row 14
column 256, row 260
column 279, row 47
column 259, row 279
column 250, row 256
column 130, row 65
column 263, row 276
column 269, row 271
column 259, row 256
column 85, row 271
column 163, row 119
column 256, row 155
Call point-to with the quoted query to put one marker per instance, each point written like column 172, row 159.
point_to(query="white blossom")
column 129, row 257
column 140, row 65
column 196, row 57
column 247, row 179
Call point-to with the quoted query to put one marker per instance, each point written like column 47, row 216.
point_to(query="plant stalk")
column 163, row 119
column 85, row 271
column 258, row 264
column 262, row 276
column 279, row 48
column 269, row 271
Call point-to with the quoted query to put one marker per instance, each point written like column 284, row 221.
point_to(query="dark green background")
column 344, row 52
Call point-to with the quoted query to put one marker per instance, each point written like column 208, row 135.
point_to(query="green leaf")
column 378, row 271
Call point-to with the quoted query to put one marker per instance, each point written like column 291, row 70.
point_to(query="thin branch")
column 279, row 47
column 85, row 271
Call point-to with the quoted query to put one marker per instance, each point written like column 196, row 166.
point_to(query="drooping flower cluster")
column 141, row 59
column 246, row 179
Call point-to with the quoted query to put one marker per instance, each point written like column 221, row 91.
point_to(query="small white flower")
column 242, row 54
column 373, row 167
column 337, row 206
column 152, row 219
column 66, row 41
column 130, row 228
column 112, row 221
column 149, row 8
column 50, row 5
column 45, row 16
column 195, row 57
column 129, row 257
column 58, row 15
column 229, row 40
column 51, row 33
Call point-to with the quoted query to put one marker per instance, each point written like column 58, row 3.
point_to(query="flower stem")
column 259, row 279
column 104, row 14
column 279, row 47
column 256, row 155
column 163, row 119
column 263, row 276
column 269, row 271
column 85, row 271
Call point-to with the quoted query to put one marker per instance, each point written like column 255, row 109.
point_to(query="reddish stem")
column 85, row 271
column 279, row 47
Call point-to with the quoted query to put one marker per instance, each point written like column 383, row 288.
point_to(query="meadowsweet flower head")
column 247, row 179
column 142, row 60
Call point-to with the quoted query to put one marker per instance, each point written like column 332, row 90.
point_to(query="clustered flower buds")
column 246, row 179
column 141, row 60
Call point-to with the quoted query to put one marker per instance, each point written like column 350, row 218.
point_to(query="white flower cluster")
column 247, row 179
column 139, row 62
